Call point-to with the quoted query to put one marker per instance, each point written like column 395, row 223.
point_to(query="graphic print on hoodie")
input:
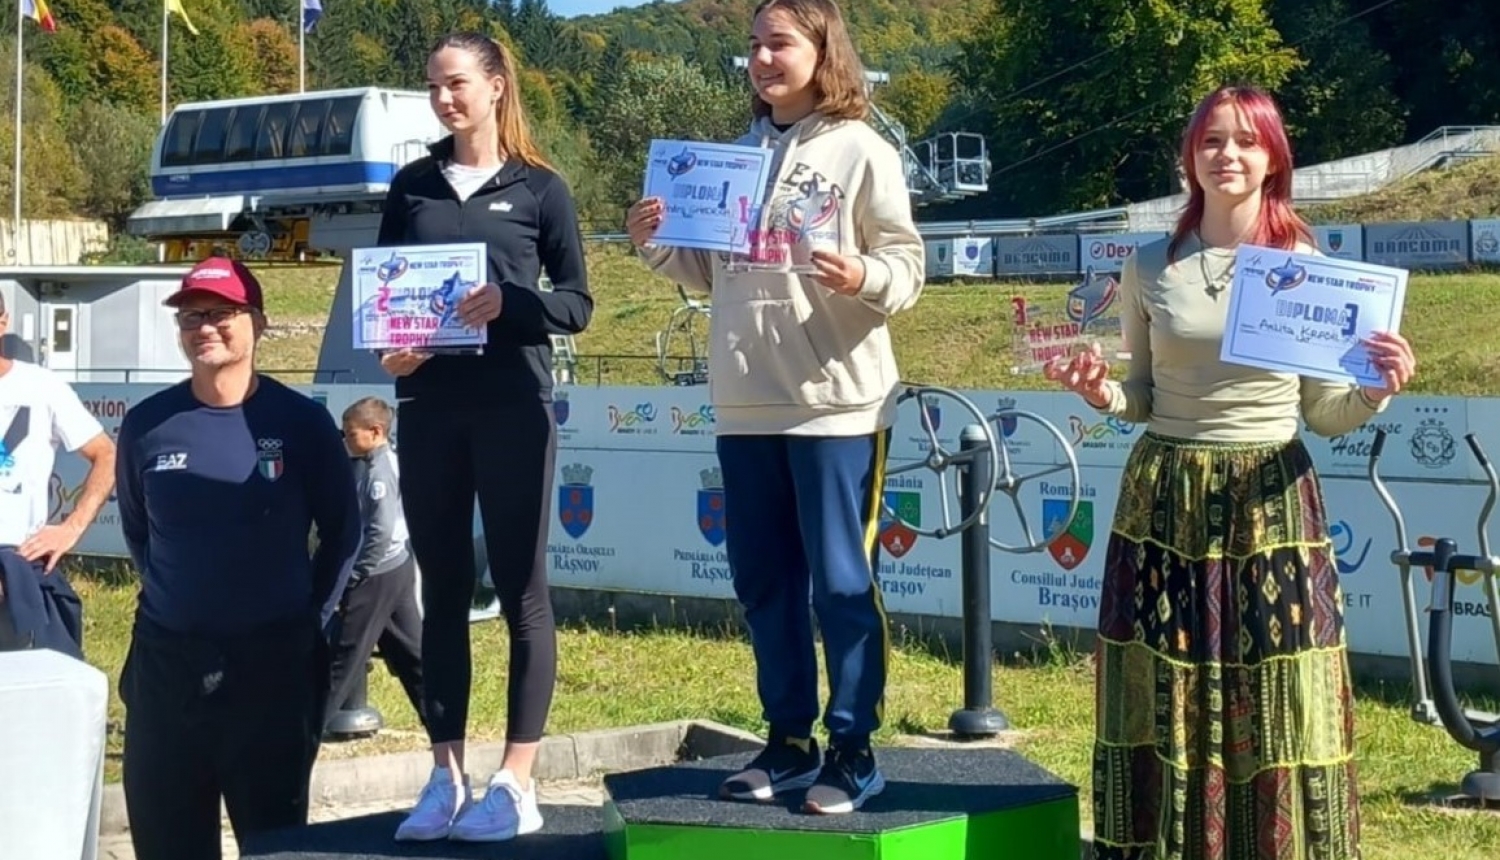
column 802, row 216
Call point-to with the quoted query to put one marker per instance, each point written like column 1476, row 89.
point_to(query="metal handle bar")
column 1489, row 501
column 1492, row 479
column 1385, row 494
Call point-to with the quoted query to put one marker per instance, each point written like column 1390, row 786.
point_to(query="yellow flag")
column 175, row 6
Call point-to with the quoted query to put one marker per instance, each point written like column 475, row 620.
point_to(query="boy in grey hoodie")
column 804, row 385
column 379, row 606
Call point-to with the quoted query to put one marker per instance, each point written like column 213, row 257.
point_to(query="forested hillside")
column 1081, row 100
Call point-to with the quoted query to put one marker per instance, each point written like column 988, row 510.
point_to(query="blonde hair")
column 840, row 76
column 497, row 61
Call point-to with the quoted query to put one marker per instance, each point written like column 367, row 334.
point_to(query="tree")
column 121, row 72
column 215, row 63
column 536, row 31
column 115, row 142
column 916, row 99
column 658, row 99
column 274, row 55
column 344, row 52
column 1089, row 97
column 50, row 173
column 537, row 96
column 1448, row 57
column 1341, row 102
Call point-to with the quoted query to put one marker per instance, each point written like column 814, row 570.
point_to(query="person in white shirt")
column 39, row 412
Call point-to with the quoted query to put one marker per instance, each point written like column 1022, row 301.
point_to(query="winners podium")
column 938, row 804
column 948, row 802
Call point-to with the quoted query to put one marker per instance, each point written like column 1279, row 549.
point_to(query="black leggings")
column 505, row 455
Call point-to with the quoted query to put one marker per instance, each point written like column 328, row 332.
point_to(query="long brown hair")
column 840, row 77
column 497, row 61
column 1279, row 226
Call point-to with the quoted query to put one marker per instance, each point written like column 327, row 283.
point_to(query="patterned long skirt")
column 1224, row 714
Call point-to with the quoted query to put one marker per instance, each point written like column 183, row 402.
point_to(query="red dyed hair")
column 1279, row 225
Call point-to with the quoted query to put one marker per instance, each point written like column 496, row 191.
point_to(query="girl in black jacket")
column 482, row 424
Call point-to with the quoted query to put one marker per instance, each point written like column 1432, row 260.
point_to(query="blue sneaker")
column 847, row 780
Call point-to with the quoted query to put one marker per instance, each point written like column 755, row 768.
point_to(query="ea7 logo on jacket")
column 171, row 462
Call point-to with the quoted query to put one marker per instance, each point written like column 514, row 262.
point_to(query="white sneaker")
column 442, row 801
column 505, row 812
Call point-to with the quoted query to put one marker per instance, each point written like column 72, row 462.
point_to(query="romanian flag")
column 37, row 11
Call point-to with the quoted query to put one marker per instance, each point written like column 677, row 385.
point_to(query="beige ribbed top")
column 1173, row 320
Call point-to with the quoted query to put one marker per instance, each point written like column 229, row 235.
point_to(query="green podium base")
column 948, row 804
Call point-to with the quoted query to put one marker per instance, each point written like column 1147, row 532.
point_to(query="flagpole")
column 301, row 47
column 15, row 224
column 164, row 14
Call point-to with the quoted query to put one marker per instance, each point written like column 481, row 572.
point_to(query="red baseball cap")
column 220, row 276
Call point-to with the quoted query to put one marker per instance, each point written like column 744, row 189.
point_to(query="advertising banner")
column 1344, row 241
column 1418, row 244
column 1107, row 253
column 969, row 257
column 1036, row 255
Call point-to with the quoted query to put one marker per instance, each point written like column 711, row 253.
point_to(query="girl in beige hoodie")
column 804, row 386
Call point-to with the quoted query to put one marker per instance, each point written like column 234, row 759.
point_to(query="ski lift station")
column 286, row 178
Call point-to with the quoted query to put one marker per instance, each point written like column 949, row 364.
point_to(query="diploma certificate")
column 407, row 297
column 708, row 191
column 1310, row 315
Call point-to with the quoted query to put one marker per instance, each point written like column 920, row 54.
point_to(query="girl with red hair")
column 1224, row 711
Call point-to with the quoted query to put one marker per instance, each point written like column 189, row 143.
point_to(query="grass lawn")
column 613, row 678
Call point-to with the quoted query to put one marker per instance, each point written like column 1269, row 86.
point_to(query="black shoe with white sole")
column 848, row 779
column 786, row 764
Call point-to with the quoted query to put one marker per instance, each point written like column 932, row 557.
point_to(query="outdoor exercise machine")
column 1438, row 704
column 688, row 326
column 984, row 471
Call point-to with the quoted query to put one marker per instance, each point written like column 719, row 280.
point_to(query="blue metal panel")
column 197, row 181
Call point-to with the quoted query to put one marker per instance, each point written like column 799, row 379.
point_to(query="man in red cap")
column 221, row 480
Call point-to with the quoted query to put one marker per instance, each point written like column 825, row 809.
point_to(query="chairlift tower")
column 948, row 166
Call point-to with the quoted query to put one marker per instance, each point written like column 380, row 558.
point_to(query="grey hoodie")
column 383, row 546
column 786, row 354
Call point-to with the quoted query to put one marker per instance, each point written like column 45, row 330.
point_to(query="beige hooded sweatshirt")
column 788, row 355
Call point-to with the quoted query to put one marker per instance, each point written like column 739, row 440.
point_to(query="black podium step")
column 571, row 832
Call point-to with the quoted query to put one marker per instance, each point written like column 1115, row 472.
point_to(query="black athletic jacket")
column 527, row 218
